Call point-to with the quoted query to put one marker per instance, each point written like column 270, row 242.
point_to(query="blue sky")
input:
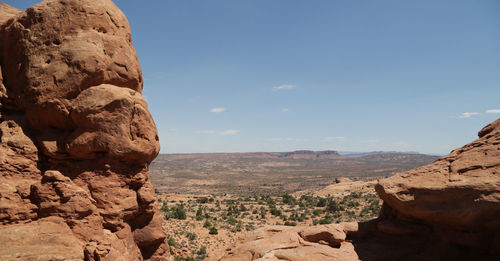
column 269, row 75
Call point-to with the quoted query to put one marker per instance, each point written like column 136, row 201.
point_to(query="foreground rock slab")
column 326, row 242
column 76, row 137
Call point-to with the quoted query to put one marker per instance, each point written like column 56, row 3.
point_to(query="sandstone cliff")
column 447, row 210
column 76, row 137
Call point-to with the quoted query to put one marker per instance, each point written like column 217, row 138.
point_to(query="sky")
column 282, row 75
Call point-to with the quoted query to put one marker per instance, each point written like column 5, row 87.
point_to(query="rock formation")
column 76, row 137
column 319, row 243
column 457, row 197
column 447, row 210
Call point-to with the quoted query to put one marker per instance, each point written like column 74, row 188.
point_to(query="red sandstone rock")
column 76, row 135
column 457, row 197
column 325, row 242
column 45, row 239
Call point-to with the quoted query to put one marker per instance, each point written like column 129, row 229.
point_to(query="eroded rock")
column 76, row 135
column 326, row 242
column 457, row 197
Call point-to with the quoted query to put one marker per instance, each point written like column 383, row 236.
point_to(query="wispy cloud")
column 334, row 138
column 284, row 110
column 173, row 129
column 217, row 110
column 287, row 139
column 229, row 132
column 207, row 132
column 284, row 87
column 468, row 114
column 492, row 111
column 220, row 133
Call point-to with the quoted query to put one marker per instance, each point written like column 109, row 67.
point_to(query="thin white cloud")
column 220, row 133
column 207, row 132
column 468, row 114
column 492, row 111
column 229, row 132
column 173, row 129
column 284, row 110
column 288, row 139
column 217, row 110
column 284, row 87
column 334, row 138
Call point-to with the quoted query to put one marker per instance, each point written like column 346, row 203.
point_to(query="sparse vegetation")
column 205, row 220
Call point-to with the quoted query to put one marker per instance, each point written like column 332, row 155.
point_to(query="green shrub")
column 327, row 219
column 213, row 231
column 164, row 208
column 232, row 221
column 288, row 199
column 199, row 214
column 177, row 212
column 321, row 202
column 191, row 236
column 202, row 251
column 317, row 212
column 275, row 212
column 202, row 200
column 171, row 242
column 332, row 206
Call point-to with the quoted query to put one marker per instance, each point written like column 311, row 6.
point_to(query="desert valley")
column 234, row 193
column 82, row 176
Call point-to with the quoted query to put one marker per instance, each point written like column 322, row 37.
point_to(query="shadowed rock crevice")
column 76, row 134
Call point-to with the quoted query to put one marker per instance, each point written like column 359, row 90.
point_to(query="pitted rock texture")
column 76, row 137
column 447, row 210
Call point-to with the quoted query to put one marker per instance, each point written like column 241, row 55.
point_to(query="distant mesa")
column 309, row 154
column 298, row 154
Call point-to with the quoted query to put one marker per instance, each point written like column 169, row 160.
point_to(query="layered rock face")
column 457, row 197
column 447, row 210
column 76, row 137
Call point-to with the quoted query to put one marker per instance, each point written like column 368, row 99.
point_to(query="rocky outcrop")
column 321, row 243
column 447, row 210
column 76, row 137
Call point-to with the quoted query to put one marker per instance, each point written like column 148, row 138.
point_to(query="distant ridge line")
column 297, row 154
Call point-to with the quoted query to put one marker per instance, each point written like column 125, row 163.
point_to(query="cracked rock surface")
column 76, row 137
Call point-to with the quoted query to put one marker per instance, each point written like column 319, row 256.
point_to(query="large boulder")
column 326, row 242
column 457, row 196
column 76, row 137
